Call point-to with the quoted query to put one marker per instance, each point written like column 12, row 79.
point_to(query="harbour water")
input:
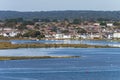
column 93, row 64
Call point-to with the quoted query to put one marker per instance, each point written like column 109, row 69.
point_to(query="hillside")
column 85, row 15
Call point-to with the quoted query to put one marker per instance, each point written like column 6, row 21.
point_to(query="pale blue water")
column 94, row 64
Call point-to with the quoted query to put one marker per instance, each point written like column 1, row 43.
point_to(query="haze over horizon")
column 59, row 5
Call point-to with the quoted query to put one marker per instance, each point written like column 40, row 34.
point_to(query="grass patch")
column 8, row 45
column 33, row 57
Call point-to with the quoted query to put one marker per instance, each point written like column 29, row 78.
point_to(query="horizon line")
column 60, row 10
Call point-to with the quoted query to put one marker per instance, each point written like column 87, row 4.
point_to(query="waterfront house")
column 116, row 35
column 83, row 36
column 58, row 36
column 66, row 36
column 9, row 34
column 94, row 36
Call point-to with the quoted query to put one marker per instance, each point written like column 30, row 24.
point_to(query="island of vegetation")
column 33, row 57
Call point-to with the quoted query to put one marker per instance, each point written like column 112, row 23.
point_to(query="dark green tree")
column 76, row 21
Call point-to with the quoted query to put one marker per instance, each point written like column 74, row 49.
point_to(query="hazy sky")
column 48, row 5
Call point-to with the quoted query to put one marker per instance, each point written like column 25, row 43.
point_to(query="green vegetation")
column 7, row 45
column 61, row 15
column 33, row 57
column 76, row 21
column 14, row 38
column 32, row 33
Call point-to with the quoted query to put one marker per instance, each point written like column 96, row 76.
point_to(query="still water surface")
column 93, row 64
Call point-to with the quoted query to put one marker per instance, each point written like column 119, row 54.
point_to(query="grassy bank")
column 33, row 57
column 8, row 45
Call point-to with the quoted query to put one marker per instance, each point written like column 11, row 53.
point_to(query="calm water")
column 94, row 64
column 91, row 42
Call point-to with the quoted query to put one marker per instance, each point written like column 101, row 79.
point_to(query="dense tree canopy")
column 61, row 15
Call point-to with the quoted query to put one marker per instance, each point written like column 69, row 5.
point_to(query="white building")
column 66, row 36
column 62, row 36
column 83, row 36
column 96, row 24
column 10, row 34
column 58, row 36
column 109, row 24
column 116, row 35
column 93, row 36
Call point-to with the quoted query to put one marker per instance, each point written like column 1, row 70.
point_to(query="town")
column 59, row 29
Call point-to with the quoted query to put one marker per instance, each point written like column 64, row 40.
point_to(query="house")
column 31, row 27
column 48, row 36
column 9, row 34
column 96, row 24
column 83, row 36
column 95, row 36
column 109, row 36
column 116, row 35
column 66, row 36
column 58, row 36
column 61, row 36
column 7, row 29
column 109, row 24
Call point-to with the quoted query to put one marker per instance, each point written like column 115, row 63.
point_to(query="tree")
column 35, row 20
column 103, row 23
column 66, row 19
column 45, row 20
column 65, row 31
column 76, row 21
column 19, row 20
column 81, row 30
column 54, row 20
column 10, row 23
column 22, row 27
column 28, row 23
column 32, row 33
column 116, row 23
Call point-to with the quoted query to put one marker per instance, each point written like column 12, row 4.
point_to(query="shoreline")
column 8, row 45
column 4, row 58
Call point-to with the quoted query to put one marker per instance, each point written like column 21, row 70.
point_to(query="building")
column 96, row 24
column 9, row 34
column 58, row 36
column 109, row 24
column 116, row 35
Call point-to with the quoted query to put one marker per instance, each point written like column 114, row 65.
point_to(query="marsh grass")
column 33, row 57
column 8, row 45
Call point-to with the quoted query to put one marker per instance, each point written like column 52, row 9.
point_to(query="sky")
column 51, row 5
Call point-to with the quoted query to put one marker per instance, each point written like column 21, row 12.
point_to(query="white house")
column 83, row 36
column 110, row 36
column 48, row 36
column 62, row 36
column 10, row 34
column 96, row 24
column 66, row 36
column 116, row 35
column 7, row 29
column 109, row 24
column 58, row 36
column 93, row 36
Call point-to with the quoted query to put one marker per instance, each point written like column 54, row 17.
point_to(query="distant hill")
column 84, row 15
